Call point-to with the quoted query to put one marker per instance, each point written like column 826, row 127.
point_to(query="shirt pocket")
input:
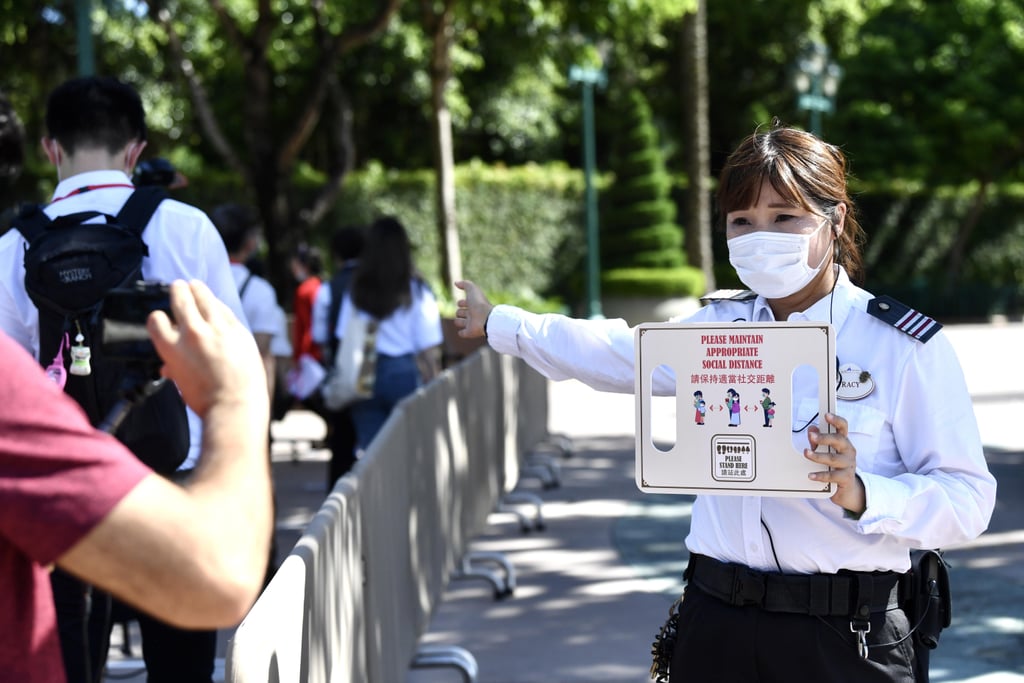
column 867, row 428
column 805, row 416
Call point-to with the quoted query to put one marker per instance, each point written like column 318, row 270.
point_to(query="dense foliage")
column 279, row 103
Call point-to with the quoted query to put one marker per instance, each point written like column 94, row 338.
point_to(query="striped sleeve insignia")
column 903, row 318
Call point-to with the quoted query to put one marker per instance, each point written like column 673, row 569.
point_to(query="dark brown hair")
column 804, row 170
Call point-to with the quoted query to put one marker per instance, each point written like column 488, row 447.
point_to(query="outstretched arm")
column 195, row 556
column 597, row 352
column 472, row 312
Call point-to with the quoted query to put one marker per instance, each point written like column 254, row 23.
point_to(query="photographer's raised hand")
column 195, row 556
column 207, row 351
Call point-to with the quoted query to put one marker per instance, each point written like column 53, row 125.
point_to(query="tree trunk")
column 271, row 146
column 697, row 142
column 444, row 156
column 957, row 252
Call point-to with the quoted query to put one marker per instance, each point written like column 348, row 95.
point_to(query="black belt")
column 845, row 594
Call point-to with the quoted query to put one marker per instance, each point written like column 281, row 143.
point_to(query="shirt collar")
column 833, row 308
column 90, row 179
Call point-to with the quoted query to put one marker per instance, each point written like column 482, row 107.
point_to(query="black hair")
column 310, row 258
column 95, row 111
column 347, row 242
column 235, row 223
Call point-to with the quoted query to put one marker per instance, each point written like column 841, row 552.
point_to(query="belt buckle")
column 749, row 588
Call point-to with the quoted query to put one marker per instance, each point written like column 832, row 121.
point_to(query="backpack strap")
column 31, row 222
column 339, row 285
column 245, row 284
column 140, row 207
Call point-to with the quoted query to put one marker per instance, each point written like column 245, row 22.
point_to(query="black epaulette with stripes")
column 727, row 295
column 903, row 318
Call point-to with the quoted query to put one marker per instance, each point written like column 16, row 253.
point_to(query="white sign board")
column 738, row 428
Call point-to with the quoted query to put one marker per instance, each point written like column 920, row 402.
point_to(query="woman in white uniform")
column 793, row 589
column 385, row 287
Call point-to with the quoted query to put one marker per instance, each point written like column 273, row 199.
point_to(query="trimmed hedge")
column 521, row 229
column 523, row 236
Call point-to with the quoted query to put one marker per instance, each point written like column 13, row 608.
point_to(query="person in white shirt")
column 385, row 287
column 96, row 132
column 239, row 228
column 346, row 245
column 794, row 589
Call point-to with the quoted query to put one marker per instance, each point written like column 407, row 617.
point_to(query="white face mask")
column 774, row 264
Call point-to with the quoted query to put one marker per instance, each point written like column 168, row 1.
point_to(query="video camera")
column 158, row 171
column 124, row 314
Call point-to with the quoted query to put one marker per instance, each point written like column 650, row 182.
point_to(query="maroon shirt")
column 58, row 479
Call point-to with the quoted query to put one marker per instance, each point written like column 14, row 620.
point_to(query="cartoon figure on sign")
column 699, row 407
column 766, row 402
column 732, row 402
column 770, row 413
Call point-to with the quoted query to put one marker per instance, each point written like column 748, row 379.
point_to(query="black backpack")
column 70, row 267
column 339, row 285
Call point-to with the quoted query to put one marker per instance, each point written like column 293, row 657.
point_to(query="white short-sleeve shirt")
column 259, row 300
column 410, row 329
column 183, row 244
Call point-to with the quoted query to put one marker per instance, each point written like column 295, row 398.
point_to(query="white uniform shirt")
column 318, row 316
column 183, row 244
column 410, row 329
column 322, row 308
column 259, row 300
column 281, row 344
column 919, row 452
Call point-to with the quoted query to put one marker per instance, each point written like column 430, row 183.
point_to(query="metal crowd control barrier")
column 351, row 601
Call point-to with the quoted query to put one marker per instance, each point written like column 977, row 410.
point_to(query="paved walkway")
column 594, row 587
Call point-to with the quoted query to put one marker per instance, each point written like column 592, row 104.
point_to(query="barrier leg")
column 446, row 656
column 557, row 443
column 546, row 466
column 523, row 498
column 504, row 584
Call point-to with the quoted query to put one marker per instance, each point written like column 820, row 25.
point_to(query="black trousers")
column 718, row 642
column 341, row 440
column 176, row 655
column 171, row 654
column 83, row 626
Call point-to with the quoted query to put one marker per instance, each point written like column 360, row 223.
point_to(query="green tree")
column 936, row 92
column 12, row 142
column 638, row 225
column 262, row 85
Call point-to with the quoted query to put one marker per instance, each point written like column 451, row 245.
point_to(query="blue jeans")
column 397, row 377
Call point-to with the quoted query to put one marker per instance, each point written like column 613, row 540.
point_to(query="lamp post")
column 816, row 80
column 589, row 78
